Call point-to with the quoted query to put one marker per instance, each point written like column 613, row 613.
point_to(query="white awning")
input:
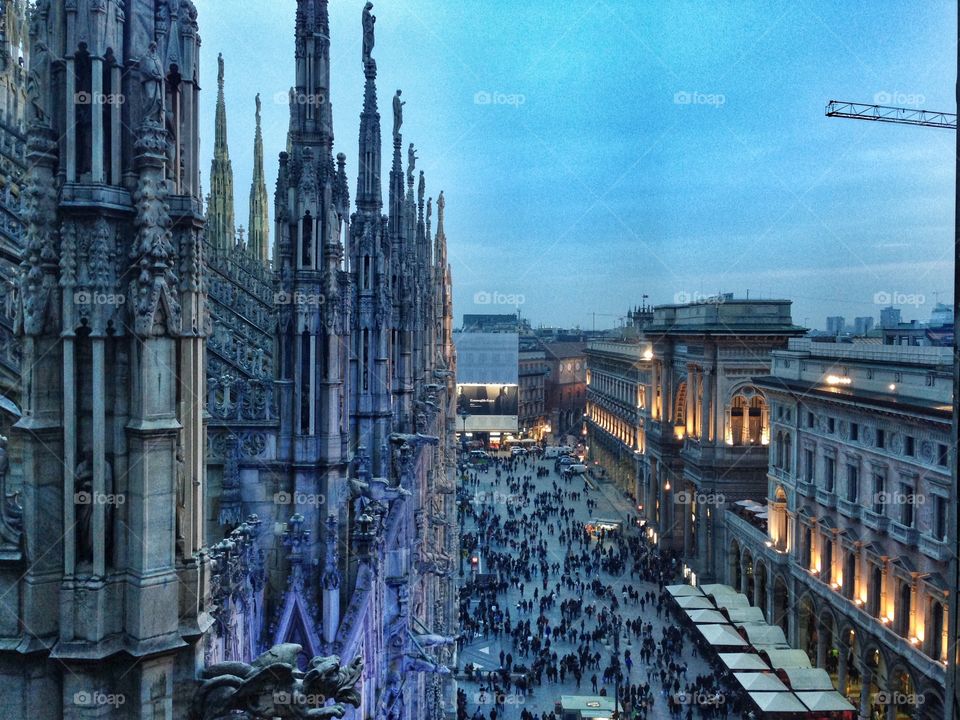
column 684, row 591
column 722, row 636
column 777, row 702
column 745, row 616
column 829, row 701
column 704, row 617
column 743, row 661
column 695, row 603
column 787, row 658
column 760, row 682
column 808, row 679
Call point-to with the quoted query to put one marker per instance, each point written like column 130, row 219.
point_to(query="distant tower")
column 259, row 238
column 106, row 584
column 370, row 263
column 221, row 230
column 310, row 207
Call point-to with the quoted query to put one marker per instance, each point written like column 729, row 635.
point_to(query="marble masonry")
column 228, row 487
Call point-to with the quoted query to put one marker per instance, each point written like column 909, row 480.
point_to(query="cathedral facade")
column 217, row 450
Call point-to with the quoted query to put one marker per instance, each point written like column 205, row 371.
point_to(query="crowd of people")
column 574, row 595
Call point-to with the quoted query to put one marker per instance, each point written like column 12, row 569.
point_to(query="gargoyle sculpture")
column 273, row 687
column 430, row 640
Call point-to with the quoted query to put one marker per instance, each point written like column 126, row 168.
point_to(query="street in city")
column 518, row 511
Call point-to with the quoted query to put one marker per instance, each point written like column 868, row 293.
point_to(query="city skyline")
column 790, row 204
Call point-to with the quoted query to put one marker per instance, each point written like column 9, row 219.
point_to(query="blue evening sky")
column 593, row 152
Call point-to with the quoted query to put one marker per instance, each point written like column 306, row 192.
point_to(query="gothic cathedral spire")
column 259, row 225
column 221, row 230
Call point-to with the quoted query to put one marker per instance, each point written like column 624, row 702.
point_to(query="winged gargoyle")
column 273, row 687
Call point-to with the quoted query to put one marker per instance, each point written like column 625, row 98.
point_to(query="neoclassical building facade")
column 678, row 411
column 850, row 556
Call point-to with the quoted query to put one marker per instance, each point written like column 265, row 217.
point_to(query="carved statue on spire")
column 369, row 19
column 259, row 107
column 411, row 161
column 397, row 113
column 37, row 82
column 151, row 78
column 220, row 70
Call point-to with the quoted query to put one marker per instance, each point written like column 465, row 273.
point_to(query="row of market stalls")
column 776, row 680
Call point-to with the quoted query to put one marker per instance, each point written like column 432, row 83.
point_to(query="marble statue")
column 272, row 687
column 151, row 80
column 37, row 82
column 411, row 161
column 369, row 39
column 397, row 113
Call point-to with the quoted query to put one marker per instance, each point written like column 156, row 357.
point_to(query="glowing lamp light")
column 648, row 354
column 838, row 380
column 666, row 485
column 914, row 640
column 892, row 387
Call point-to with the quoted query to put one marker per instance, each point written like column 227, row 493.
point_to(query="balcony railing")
column 827, row 498
column 904, row 534
column 874, row 520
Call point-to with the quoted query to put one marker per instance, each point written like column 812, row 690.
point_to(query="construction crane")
column 946, row 121
column 883, row 113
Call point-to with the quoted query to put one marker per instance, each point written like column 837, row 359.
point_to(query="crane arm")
column 883, row 113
